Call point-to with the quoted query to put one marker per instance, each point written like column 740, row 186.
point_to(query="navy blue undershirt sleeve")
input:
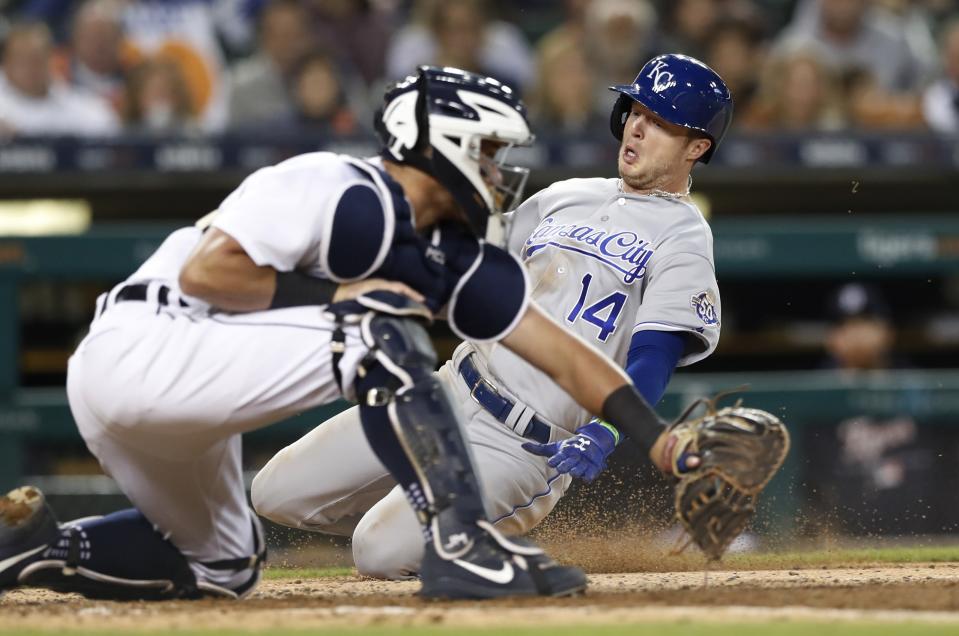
column 652, row 357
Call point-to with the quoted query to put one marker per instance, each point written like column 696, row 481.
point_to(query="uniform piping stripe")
column 686, row 359
column 666, row 325
column 235, row 323
column 549, row 489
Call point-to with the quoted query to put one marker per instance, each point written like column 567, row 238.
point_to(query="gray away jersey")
column 606, row 265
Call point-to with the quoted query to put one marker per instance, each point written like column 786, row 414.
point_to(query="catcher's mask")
column 459, row 127
column 683, row 91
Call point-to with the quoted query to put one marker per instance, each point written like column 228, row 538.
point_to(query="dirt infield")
column 927, row 593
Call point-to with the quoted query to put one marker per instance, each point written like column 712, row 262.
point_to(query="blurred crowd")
column 197, row 67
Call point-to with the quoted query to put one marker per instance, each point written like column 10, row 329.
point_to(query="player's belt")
column 503, row 409
column 135, row 292
column 139, row 292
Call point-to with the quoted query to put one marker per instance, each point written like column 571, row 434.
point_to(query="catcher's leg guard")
column 122, row 557
column 411, row 425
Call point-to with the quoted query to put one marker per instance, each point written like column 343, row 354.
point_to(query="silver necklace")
column 663, row 194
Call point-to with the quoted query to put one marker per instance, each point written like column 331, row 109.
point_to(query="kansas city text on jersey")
column 623, row 251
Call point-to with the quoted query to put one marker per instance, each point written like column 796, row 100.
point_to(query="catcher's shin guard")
column 121, row 556
column 411, row 425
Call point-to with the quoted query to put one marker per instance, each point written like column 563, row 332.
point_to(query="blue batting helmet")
column 683, row 91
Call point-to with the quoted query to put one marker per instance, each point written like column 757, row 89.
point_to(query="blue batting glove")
column 584, row 454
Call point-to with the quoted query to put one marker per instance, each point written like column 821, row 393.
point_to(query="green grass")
column 847, row 556
column 792, row 628
column 281, row 573
column 762, row 561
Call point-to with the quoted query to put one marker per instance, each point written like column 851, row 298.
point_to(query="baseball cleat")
column 497, row 567
column 27, row 528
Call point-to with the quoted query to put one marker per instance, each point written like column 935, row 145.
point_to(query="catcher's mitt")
column 740, row 449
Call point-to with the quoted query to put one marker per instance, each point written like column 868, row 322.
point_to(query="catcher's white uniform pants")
column 330, row 481
column 161, row 397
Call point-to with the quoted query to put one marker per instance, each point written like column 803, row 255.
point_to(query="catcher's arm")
column 220, row 272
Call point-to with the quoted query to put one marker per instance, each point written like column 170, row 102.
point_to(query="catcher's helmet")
column 683, row 91
column 437, row 121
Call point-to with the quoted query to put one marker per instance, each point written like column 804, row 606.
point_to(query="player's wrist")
column 603, row 433
column 296, row 289
column 627, row 411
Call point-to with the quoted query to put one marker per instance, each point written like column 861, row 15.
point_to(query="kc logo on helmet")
column 662, row 79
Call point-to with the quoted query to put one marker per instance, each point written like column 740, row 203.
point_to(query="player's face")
column 504, row 182
column 860, row 343
column 653, row 152
column 489, row 169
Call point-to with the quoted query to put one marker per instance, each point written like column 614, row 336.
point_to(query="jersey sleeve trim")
column 451, row 309
column 689, row 358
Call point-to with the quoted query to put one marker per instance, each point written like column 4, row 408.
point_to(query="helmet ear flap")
column 617, row 118
column 402, row 122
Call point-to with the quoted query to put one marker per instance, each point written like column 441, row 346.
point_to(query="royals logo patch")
column 705, row 306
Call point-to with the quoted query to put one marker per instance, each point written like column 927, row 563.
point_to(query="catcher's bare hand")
column 665, row 455
column 349, row 291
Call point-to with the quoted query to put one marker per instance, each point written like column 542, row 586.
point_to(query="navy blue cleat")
column 27, row 528
column 497, row 567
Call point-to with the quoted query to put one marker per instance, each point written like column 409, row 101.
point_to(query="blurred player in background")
column 861, row 336
column 311, row 283
column 877, row 468
column 626, row 264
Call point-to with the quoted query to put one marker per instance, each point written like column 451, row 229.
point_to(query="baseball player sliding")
column 626, row 264
column 313, row 282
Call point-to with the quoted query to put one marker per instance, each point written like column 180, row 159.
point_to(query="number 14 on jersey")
column 611, row 305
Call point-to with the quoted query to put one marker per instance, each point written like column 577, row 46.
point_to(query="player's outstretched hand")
column 349, row 291
column 583, row 455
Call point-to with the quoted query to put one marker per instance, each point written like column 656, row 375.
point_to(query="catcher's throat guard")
column 740, row 450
